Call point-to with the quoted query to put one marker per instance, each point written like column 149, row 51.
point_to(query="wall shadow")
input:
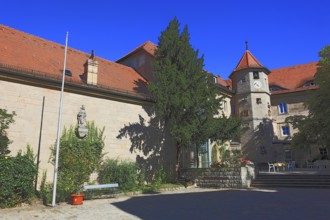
column 151, row 142
column 259, row 141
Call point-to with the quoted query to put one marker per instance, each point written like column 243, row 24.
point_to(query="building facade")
column 115, row 97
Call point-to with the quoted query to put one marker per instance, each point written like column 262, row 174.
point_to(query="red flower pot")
column 77, row 199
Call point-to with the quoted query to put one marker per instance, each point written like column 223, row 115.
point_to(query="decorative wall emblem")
column 82, row 124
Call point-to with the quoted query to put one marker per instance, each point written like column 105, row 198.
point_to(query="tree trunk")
column 178, row 158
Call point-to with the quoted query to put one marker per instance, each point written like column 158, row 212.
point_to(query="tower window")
column 245, row 113
column 263, row 150
column 243, row 80
column 324, row 153
column 283, row 108
column 255, row 75
column 258, row 100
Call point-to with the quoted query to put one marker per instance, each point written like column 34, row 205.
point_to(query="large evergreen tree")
column 314, row 129
column 5, row 120
column 185, row 96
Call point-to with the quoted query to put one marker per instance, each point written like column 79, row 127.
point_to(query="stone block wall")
column 219, row 177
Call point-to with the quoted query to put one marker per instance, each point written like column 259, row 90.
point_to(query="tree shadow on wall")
column 259, row 142
column 150, row 141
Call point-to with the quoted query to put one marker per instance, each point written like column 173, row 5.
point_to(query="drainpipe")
column 39, row 145
column 209, row 152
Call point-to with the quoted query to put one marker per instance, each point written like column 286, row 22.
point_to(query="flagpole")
column 59, row 124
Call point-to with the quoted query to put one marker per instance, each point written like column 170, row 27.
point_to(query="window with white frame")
column 285, row 130
column 282, row 107
column 224, row 106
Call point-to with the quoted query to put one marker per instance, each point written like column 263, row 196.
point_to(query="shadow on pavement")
column 282, row 203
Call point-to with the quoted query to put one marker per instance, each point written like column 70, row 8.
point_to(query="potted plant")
column 79, row 157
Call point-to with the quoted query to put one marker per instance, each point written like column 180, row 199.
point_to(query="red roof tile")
column 248, row 61
column 24, row 50
column 295, row 90
column 148, row 46
column 225, row 83
column 292, row 77
column 229, row 83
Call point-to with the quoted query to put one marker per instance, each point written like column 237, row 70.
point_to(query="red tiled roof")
column 295, row 90
column 292, row 77
column 229, row 83
column 226, row 83
column 221, row 81
column 248, row 61
column 24, row 50
column 148, row 46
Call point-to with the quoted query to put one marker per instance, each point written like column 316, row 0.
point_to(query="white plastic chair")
column 310, row 164
column 292, row 165
column 271, row 166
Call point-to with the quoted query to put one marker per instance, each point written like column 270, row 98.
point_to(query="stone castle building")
column 115, row 97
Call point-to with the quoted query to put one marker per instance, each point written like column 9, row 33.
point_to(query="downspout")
column 209, row 152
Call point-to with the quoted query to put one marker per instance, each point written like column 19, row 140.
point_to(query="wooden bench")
column 91, row 190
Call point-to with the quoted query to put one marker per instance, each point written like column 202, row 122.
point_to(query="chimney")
column 92, row 68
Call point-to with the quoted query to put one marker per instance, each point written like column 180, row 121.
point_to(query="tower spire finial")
column 246, row 45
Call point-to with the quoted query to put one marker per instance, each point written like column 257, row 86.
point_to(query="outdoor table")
column 322, row 164
column 280, row 165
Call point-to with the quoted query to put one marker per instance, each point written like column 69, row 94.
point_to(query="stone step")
column 275, row 180
column 293, row 176
column 285, row 185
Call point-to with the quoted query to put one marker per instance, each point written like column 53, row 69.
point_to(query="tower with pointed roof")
column 251, row 102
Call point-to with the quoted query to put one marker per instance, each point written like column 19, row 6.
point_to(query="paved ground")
column 192, row 203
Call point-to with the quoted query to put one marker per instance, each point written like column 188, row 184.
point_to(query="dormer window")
column 309, row 83
column 214, row 79
column 274, row 88
column 256, row 75
column 68, row 72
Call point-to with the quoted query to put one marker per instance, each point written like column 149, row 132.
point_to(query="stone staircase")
column 291, row 180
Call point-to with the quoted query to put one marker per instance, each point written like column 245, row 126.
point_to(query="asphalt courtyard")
column 192, row 203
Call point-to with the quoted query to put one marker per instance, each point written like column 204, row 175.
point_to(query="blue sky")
column 280, row 32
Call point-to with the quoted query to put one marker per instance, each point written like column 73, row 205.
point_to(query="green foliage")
column 314, row 129
column 186, row 97
column 124, row 173
column 161, row 177
column 225, row 129
column 231, row 158
column 17, row 178
column 5, row 120
column 45, row 189
column 78, row 158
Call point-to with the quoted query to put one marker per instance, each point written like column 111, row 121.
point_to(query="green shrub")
column 78, row 158
column 124, row 173
column 17, row 179
column 141, row 175
column 161, row 177
column 5, row 120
